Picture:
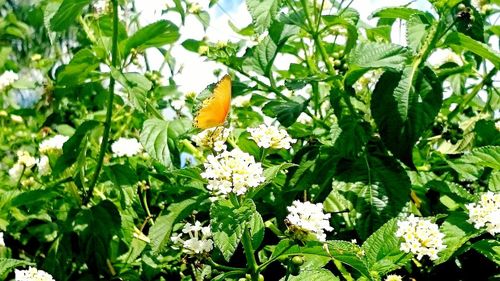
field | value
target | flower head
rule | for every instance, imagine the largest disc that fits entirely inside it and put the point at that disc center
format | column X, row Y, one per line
column 309, row 217
column 195, row 239
column 32, row 274
column 7, row 78
column 486, row 212
column 232, row 171
column 54, row 143
column 212, row 138
column 271, row 137
column 393, row 277
column 126, row 147
column 421, row 237
column 43, row 165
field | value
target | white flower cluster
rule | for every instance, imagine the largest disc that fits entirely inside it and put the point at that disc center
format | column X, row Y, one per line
column 486, row 212
column 32, row 274
column 212, row 138
column 421, row 237
column 442, row 56
column 7, row 78
column 199, row 241
column 232, row 171
column 2, row 242
column 24, row 161
column 126, row 147
column 393, row 277
column 53, row 144
column 43, row 165
column 271, row 137
column 310, row 217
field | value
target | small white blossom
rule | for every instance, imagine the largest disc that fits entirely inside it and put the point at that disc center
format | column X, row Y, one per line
column 241, row 101
column 393, row 277
column 2, row 242
column 442, row 56
column 54, row 143
column 232, row 171
column 310, row 217
column 212, row 138
column 16, row 171
column 24, row 158
column 7, row 78
column 43, row 165
column 486, row 212
column 16, row 118
column 421, row 237
column 197, row 240
column 32, row 274
column 271, row 137
column 126, row 147
column 101, row 6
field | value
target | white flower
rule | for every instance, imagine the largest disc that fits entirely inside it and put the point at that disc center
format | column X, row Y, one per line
column 271, row 137
column 241, row 101
column 2, row 242
column 43, row 165
column 421, row 237
column 199, row 241
column 310, row 217
column 442, row 56
column 393, row 277
column 24, row 158
column 7, row 78
column 32, row 274
column 126, row 147
column 54, row 143
column 101, row 6
column 178, row 104
column 232, row 171
column 16, row 118
column 212, row 138
column 16, row 171
column 486, row 212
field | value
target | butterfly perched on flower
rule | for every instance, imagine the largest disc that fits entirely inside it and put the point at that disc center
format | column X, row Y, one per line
column 215, row 108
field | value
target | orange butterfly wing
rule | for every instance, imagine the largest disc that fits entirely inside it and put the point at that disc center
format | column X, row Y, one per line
column 214, row 111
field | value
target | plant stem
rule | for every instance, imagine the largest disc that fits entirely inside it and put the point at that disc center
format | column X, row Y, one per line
column 109, row 111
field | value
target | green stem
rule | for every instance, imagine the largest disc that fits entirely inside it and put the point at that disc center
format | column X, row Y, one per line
column 224, row 267
column 342, row 270
column 109, row 111
column 20, row 177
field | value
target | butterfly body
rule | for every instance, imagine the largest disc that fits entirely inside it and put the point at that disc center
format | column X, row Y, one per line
column 214, row 109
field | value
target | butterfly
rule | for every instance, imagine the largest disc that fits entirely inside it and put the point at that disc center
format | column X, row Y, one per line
column 215, row 108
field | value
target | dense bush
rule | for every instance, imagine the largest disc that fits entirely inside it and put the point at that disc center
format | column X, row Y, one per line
column 361, row 159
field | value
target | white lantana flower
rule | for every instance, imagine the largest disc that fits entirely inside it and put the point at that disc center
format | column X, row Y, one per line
column 212, row 138
column 309, row 217
column 7, row 78
column 126, row 147
column 442, row 56
column 420, row 237
column 199, row 240
column 232, row 171
column 43, row 165
column 486, row 212
column 393, row 277
column 32, row 274
column 24, row 158
column 271, row 137
column 54, row 144
column 2, row 242
column 16, row 171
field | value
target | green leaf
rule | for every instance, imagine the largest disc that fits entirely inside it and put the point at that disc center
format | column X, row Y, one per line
column 486, row 156
column 416, row 31
column 271, row 172
column 286, row 112
column 403, row 106
column 371, row 55
column 228, row 223
column 48, row 13
column 461, row 40
column 395, row 13
column 348, row 19
column 382, row 249
column 153, row 35
column 6, row 265
column 457, row 231
column 121, row 174
column 158, row 137
column 79, row 68
column 313, row 275
column 67, row 13
column 489, row 248
column 136, row 85
column 262, row 58
column 160, row 232
column 381, row 191
column 71, row 147
column 257, row 228
column 262, row 12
